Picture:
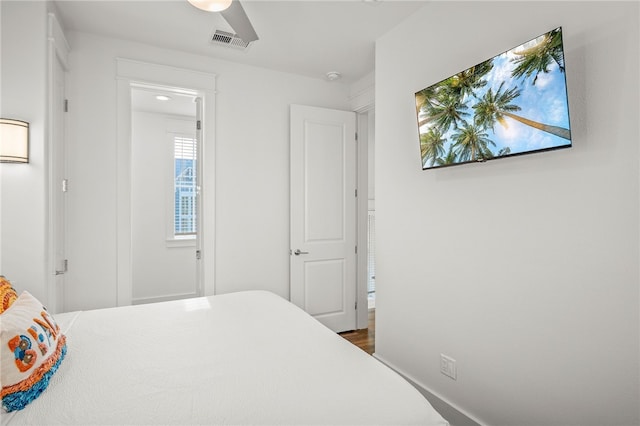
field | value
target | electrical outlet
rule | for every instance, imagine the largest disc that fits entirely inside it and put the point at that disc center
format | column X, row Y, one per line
column 448, row 366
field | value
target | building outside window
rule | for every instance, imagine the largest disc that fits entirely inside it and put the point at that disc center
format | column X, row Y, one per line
column 185, row 186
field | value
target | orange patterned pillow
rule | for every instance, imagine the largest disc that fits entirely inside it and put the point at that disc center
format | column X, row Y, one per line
column 7, row 294
column 32, row 350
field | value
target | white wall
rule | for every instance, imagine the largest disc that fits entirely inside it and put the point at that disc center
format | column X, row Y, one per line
column 160, row 268
column 525, row 269
column 252, row 166
column 23, row 187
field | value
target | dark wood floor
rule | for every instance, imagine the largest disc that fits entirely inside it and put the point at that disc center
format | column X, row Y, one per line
column 364, row 339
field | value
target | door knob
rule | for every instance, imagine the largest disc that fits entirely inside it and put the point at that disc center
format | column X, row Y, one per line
column 298, row 252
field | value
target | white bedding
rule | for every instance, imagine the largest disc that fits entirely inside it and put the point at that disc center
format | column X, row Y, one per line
column 241, row 358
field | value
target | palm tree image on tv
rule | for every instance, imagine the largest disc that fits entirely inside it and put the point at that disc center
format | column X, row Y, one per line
column 511, row 104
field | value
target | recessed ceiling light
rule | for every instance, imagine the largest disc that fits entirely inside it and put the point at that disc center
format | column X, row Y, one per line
column 163, row 98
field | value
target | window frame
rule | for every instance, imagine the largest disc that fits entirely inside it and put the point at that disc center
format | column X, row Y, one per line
column 177, row 129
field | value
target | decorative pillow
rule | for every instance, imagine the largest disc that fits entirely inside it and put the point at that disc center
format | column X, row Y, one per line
column 31, row 352
column 7, row 294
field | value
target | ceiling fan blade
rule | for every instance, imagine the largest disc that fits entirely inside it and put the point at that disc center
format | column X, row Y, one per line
column 239, row 21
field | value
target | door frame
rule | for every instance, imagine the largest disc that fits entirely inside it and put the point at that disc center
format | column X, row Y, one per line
column 191, row 129
column 130, row 72
column 57, row 52
column 363, row 118
column 363, row 104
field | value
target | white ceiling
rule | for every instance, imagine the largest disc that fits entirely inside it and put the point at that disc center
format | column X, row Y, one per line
column 144, row 99
column 306, row 37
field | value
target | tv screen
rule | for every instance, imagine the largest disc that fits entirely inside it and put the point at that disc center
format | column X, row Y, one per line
column 514, row 103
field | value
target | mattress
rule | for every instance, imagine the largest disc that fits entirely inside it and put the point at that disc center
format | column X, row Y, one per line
column 246, row 358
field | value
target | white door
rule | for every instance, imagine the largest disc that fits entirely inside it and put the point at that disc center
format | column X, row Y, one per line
column 58, row 187
column 323, row 214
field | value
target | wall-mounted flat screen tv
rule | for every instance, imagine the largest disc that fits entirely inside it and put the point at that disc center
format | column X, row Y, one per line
column 514, row 103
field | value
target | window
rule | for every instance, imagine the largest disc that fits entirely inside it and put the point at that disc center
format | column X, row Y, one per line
column 184, row 186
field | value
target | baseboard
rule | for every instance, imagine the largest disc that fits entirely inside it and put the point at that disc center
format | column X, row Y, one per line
column 154, row 299
column 452, row 413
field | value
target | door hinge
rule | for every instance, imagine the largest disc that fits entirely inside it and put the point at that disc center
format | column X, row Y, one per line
column 198, row 254
column 66, row 105
column 356, row 191
column 198, row 125
column 356, row 249
column 65, row 267
column 356, row 305
column 65, row 185
column 356, row 136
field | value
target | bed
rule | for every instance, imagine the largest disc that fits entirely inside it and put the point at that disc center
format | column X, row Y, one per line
column 246, row 358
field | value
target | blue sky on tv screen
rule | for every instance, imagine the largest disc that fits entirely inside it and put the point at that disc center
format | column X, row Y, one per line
column 543, row 102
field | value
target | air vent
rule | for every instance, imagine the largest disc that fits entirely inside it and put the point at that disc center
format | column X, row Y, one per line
column 223, row 38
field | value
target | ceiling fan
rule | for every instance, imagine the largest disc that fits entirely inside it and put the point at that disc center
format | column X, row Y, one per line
column 233, row 12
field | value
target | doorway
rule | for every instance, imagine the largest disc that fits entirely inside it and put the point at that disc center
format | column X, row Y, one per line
column 200, row 85
column 165, row 165
column 323, row 229
column 364, row 336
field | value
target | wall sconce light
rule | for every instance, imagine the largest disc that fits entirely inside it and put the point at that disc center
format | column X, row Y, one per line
column 14, row 141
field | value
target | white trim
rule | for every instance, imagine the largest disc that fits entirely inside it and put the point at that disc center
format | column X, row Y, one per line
column 148, row 74
column 200, row 240
column 203, row 84
column 57, row 50
column 58, row 41
column 180, row 242
column 124, row 275
column 362, row 314
column 363, row 103
column 364, row 100
column 362, row 95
